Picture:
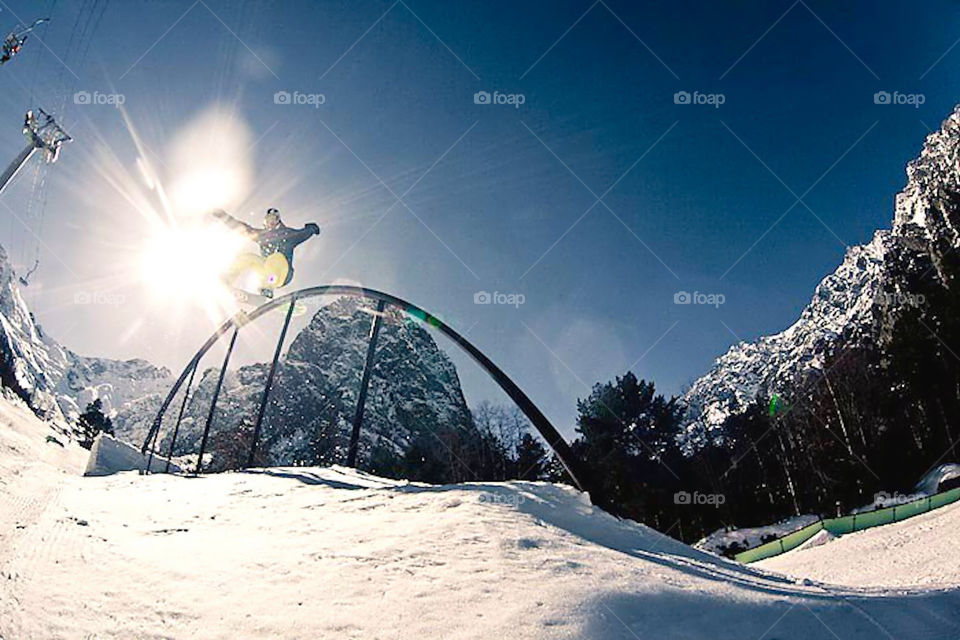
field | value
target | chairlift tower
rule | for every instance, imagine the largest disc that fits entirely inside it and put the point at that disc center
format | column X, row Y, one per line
column 43, row 134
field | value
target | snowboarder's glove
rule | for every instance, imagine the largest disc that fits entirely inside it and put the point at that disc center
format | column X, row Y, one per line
column 313, row 227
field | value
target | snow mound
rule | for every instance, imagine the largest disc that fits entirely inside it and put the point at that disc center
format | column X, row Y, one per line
column 109, row 455
column 303, row 552
column 938, row 476
column 819, row 538
column 307, row 552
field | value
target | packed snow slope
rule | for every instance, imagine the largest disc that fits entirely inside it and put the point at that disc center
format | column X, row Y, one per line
column 923, row 551
column 332, row 553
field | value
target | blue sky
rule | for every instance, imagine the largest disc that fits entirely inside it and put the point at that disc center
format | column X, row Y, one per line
column 597, row 199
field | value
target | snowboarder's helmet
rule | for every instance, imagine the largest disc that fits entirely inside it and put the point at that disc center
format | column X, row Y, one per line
column 272, row 218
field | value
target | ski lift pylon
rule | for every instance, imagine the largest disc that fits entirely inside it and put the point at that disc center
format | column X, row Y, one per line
column 42, row 133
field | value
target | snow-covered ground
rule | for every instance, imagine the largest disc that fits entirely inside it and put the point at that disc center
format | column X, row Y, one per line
column 923, row 551
column 330, row 553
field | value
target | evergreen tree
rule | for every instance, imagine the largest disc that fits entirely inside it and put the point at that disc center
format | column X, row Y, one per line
column 628, row 442
column 384, row 461
column 329, row 445
column 92, row 422
column 556, row 472
column 532, row 458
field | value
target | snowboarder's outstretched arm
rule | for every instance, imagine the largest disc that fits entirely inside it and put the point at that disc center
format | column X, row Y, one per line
column 288, row 237
column 233, row 223
column 302, row 235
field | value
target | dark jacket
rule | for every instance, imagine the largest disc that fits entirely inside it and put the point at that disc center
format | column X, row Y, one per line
column 282, row 239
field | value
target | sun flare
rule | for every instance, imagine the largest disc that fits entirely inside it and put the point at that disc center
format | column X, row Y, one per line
column 183, row 252
column 187, row 262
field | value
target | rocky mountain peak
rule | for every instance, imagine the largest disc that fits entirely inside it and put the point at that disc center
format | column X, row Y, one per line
column 934, row 173
column 856, row 303
column 414, row 393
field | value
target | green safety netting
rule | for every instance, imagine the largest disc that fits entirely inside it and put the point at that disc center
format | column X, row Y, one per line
column 945, row 498
column 781, row 545
column 839, row 526
column 848, row 524
column 911, row 509
column 871, row 519
column 797, row 538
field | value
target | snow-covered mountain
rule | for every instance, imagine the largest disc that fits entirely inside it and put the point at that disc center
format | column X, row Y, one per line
column 31, row 364
column 117, row 383
column 414, row 395
column 56, row 383
column 858, row 303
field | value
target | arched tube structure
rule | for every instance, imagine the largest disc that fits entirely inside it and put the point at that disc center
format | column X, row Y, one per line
column 530, row 410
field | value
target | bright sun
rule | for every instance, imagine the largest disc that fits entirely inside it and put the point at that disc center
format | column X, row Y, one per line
column 185, row 252
column 199, row 190
column 187, row 262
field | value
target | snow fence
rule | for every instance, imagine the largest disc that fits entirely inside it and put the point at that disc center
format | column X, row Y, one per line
column 849, row 524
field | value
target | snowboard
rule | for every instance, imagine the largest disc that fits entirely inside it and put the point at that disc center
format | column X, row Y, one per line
column 247, row 298
column 254, row 300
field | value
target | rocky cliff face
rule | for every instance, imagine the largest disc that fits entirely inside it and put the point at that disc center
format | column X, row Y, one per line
column 857, row 304
column 117, row 383
column 31, row 364
column 414, row 393
column 55, row 382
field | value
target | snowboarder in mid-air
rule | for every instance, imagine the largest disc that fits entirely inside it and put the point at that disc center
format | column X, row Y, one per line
column 273, row 268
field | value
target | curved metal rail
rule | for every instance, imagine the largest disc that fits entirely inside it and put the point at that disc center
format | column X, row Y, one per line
column 530, row 410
